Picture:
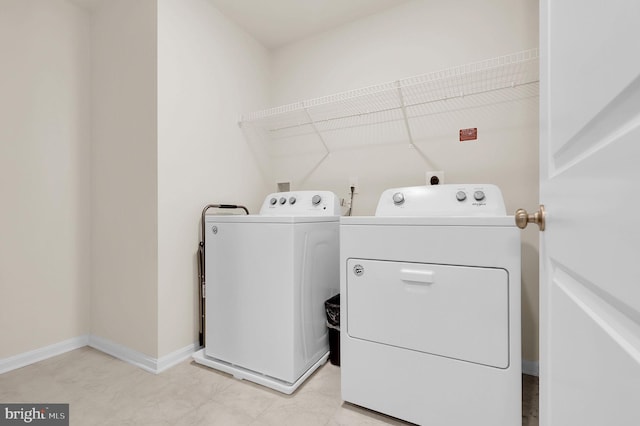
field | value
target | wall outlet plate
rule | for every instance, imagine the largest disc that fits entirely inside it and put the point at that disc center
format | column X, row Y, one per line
column 434, row 178
column 283, row 185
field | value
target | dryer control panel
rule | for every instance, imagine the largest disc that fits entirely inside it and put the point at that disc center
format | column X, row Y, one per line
column 442, row 201
column 301, row 203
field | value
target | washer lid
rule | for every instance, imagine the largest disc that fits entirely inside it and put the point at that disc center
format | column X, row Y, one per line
column 256, row 218
column 457, row 200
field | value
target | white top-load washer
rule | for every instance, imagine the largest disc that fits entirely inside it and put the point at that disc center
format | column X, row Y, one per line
column 267, row 277
column 430, row 307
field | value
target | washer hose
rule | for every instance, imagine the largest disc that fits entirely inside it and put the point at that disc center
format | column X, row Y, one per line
column 353, row 190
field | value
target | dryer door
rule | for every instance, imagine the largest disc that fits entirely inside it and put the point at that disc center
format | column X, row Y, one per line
column 457, row 312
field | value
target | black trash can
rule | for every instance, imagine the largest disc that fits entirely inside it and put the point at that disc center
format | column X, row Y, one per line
column 332, row 308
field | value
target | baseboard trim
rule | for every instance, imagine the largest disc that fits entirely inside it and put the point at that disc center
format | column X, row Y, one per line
column 124, row 353
column 176, row 357
column 40, row 354
column 146, row 362
column 531, row 368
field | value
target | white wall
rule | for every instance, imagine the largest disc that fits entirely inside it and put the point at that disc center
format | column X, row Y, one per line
column 44, row 174
column 124, row 206
column 208, row 72
column 415, row 38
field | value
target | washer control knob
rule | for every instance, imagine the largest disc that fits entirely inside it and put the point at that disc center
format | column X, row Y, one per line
column 398, row 198
column 292, row 200
column 478, row 195
column 461, row 196
column 283, row 200
column 316, row 200
column 273, row 201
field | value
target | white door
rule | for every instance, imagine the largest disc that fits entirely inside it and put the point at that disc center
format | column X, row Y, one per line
column 590, row 186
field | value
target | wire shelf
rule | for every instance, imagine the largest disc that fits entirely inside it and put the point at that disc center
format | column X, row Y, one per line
column 392, row 108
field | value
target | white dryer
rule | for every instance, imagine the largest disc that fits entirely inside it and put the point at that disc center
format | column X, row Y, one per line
column 267, row 277
column 430, row 307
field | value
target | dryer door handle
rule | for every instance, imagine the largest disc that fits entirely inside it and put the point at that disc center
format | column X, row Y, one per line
column 417, row 276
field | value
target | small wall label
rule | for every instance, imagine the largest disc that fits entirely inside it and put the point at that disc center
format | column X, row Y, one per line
column 468, row 134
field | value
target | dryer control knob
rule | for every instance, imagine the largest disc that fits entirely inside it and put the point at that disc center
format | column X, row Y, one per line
column 461, row 196
column 316, row 200
column 283, row 200
column 478, row 195
column 292, row 200
column 398, row 198
column 273, row 201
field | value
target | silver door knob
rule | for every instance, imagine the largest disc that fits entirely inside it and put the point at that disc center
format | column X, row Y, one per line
column 523, row 218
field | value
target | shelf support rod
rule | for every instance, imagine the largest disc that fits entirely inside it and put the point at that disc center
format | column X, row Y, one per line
column 315, row 129
column 403, row 106
column 404, row 113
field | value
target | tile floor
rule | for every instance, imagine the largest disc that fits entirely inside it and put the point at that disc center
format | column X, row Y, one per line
column 102, row 390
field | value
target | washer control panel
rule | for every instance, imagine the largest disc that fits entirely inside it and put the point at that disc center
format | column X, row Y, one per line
column 442, row 200
column 301, row 203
